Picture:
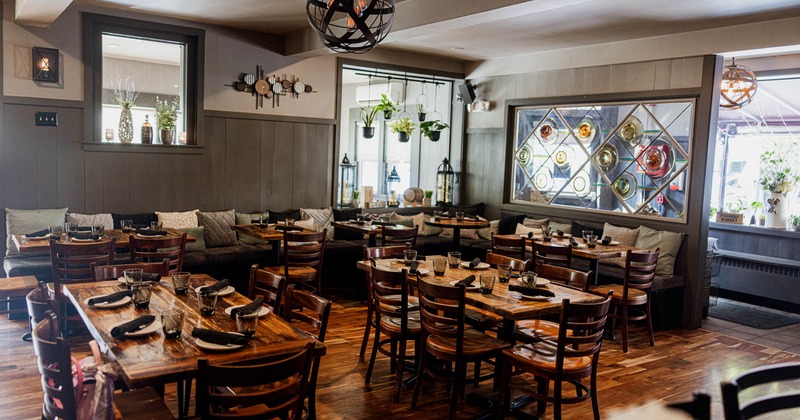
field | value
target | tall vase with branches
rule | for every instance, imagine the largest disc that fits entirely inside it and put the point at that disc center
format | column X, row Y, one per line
column 125, row 95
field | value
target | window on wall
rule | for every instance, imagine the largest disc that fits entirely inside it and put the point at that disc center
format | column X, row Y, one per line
column 771, row 123
column 136, row 66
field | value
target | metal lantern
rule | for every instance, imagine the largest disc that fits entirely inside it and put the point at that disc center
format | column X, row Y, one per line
column 347, row 183
column 739, row 86
column 445, row 178
column 392, row 180
column 354, row 26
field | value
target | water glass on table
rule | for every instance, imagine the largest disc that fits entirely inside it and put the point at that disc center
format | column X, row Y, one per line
column 206, row 302
column 591, row 241
column 503, row 272
column 180, row 282
column 454, row 259
column 530, row 278
column 439, row 266
column 288, row 221
column 409, row 256
column 246, row 323
column 487, row 283
column 55, row 231
column 126, row 225
column 71, row 227
column 141, row 295
column 585, row 235
column 459, row 215
column 98, row 231
column 172, row 323
column 133, row 277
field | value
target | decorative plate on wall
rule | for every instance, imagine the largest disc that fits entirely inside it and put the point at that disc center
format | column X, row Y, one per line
column 607, row 157
column 543, row 180
column 562, row 156
column 524, row 155
column 581, row 184
column 626, row 185
column 586, row 130
column 548, row 132
column 657, row 159
column 631, row 131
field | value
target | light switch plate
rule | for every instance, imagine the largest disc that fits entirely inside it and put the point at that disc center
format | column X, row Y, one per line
column 47, row 119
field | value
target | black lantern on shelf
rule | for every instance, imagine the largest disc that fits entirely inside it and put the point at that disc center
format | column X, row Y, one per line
column 445, row 178
column 392, row 180
column 347, row 183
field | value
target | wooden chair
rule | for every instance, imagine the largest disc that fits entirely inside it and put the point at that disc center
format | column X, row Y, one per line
column 113, row 272
column 55, row 366
column 768, row 399
column 394, row 320
column 509, row 245
column 552, row 254
column 156, row 249
column 446, row 339
column 391, row 235
column 572, row 358
column 312, row 311
column 38, row 301
column 532, row 330
column 269, row 285
column 376, row 253
column 515, row 264
column 634, row 294
column 302, row 259
column 273, row 387
column 71, row 263
column 699, row 407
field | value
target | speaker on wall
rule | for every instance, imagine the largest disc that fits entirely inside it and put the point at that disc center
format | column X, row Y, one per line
column 467, row 93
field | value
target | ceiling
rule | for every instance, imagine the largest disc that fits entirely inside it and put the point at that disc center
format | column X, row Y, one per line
column 478, row 30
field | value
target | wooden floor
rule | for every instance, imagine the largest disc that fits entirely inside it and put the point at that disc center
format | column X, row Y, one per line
column 681, row 362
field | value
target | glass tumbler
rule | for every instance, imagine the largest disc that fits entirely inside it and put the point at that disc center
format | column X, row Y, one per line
column 454, row 259
column 487, row 283
column 246, row 323
column 409, row 256
column 126, row 225
column 180, row 282
column 141, row 295
column 172, row 323
column 503, row 273
column 592, row 241
column 529, row 277
column 439, row 266
column 133, row 276
column 206, row 302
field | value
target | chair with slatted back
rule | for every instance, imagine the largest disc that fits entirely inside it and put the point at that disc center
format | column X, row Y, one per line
column 145, row 249
column 509, row 245
column 377, row 252
column 552, row 254
column 531, row 330
column 113, row 272
column 302, row 259
column 269, row 285
column 38, row 301
column 55, row 365
column 313, row 312
column 446, row 339
column 516, row 265
column 274, row 387
column 572, row 358
column 633, row 295
column 72, row 263
column 774, row 391
column 699, row 407
column 392, row 235
column 395, row 319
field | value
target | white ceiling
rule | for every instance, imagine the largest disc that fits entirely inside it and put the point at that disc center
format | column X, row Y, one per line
column 475, row 30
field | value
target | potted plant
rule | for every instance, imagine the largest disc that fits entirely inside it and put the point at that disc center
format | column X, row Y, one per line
column 404, row 127
column 387, row 106
column 368, row 118
column 125, row 94
column 756, row 206
column 777, row 176
column 166, row 117
column 795, row 219
column 427, row 200
column 355, row 198
column 421, row 114
column 432, row 129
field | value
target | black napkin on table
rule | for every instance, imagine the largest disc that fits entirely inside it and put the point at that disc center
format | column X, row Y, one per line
column 133, row 325
column 38, row 233
column 413, row 268
column 466, row 281
column 530, row 291
column 216, row 287
column 474, row 263
column 218, row 337
column 530, row 235
column 250, row 307
column 151, row 232
column 113, row 297
column 606, row 240
column 288, row 228
column 560, row 232
column 84, row 228
column 84, row 235
column 155, row 277
column 572, row 242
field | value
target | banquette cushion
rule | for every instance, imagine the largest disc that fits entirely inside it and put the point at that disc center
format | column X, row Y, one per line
column 323, row 218
column 139, row 220
column 179, row 219
column 217, row 227
column 669, row 242
column 624, row 235
column 101, row 219
column 276, row 216
column 21, row 222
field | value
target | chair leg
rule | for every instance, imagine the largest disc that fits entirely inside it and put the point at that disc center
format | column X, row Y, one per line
column 398, row 380
column 557, row 386
column 312, row 391
column 454, row 395
column 476, row 373
column 367, row 329
column 650, row 324
column 614, row 323
column 543, row 385
column 593, row 393
column 504, row 370
column 624, row 327
column 420, row 376
column 375, row 344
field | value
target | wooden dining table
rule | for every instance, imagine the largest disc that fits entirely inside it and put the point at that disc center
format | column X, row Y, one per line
column 27, row 246
column 370, row 230
column 457, row 225
column 267, row 233
column 153, row 360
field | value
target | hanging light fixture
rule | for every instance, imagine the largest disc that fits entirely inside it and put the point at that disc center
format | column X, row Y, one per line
column 739, row 86
column 354, row 26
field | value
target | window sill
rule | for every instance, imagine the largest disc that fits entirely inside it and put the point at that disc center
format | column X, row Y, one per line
column 754, row 230
column 143, row 148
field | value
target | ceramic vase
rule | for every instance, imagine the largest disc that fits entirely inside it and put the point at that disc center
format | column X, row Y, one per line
column 126, row 126
column 777, row 211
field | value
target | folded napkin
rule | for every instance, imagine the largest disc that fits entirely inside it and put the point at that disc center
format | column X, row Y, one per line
column 216, row 287
column 467, row 281
column 84, row 235
column 218, row 337
column 246, row 309
column 38, row 233
column 413, row 268
column 150, row 232
column 151, row 277
column 134, row 325
column 560, row 232
column 288, row 228
column 84, row 228
column 606, row 240
column 530, row 235
column 474, row 263
column 572, row 242
column 470, row 218
column 530, row 291
column 109, row 298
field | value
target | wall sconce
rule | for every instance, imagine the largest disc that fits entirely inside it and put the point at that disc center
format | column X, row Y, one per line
column 45, row 65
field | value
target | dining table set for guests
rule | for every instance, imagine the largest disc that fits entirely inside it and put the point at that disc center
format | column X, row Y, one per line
column 39, row 241
column 156, row 328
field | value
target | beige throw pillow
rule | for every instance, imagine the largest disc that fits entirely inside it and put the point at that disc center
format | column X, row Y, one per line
column 486, row 233
column 418, row 220
column 322, row 217
column 177, row 220
column 537, row 224
column 669, row 242
column 101, row 219
column 625, row 236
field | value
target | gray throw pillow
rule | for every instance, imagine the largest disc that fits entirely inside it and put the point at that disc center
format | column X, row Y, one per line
column 200, row 244
column 217, row 226
column 247, row 219
column 21, row 222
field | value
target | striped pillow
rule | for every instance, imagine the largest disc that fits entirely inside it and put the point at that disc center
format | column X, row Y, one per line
column 322, row 217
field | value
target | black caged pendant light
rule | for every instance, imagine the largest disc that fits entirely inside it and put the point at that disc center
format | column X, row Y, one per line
column 354, row 26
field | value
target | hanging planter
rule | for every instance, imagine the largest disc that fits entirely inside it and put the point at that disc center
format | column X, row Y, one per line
column 368, row 118
column 433, row 129
column 403, row 127
column 422, row 105
column 387, row 107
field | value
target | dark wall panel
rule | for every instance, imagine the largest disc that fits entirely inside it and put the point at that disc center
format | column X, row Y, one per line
column 483, row 176
column 212, row 179
column 242, row 162
column 71, row 166
column 277, row 171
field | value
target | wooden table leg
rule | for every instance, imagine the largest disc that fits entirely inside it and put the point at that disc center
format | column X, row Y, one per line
column 372, row 241
column 275, row 253
column 456, row 238
column 594, row 265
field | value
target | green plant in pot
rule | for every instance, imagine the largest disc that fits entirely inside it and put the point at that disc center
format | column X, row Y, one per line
column 427, row 200
column 795, row 220
column 368, row 118
column 421, row 112
column 756, row 206
column 404, row 127
column 387, row 106
column 432, row 129
column 166, row 118
column 355, row 198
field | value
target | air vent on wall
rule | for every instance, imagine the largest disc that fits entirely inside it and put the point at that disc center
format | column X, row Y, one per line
column 371, row 94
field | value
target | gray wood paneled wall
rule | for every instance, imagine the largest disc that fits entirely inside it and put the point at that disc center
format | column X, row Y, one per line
column 248, row 163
